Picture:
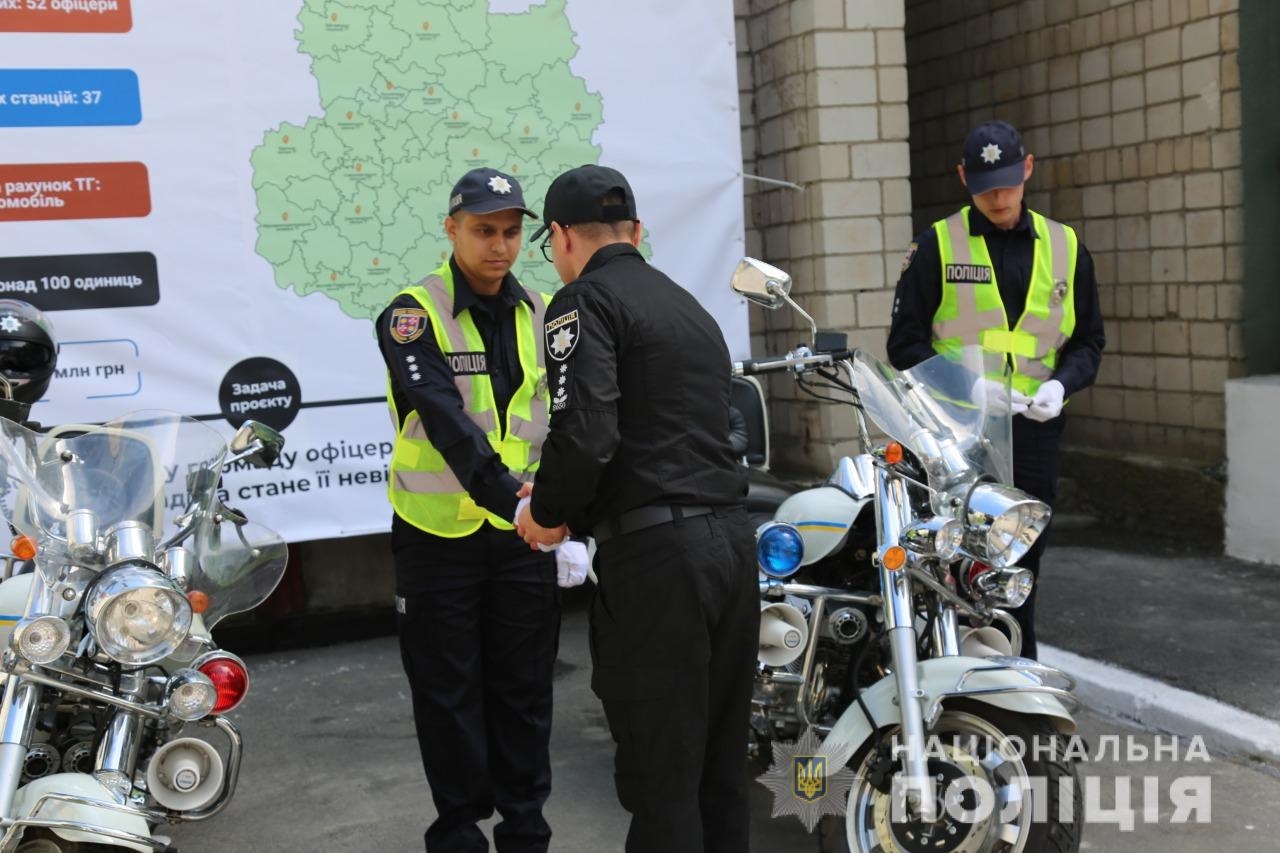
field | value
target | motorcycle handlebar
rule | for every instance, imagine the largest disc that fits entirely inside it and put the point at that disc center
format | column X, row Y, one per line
column 794, row 363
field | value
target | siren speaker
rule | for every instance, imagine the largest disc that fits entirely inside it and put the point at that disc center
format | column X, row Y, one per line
column 783, row 634
column 185, row 774
column 985, row 642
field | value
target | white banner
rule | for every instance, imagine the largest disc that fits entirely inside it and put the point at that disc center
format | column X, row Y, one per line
column 212, row 199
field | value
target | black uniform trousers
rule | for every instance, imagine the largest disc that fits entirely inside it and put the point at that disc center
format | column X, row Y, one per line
column 478, row 638
column 674, row 637
column 1037, row 448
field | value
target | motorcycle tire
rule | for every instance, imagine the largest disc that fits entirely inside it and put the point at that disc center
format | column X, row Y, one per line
column 1050, row 835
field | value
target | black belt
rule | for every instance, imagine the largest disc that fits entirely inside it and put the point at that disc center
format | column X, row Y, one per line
column 647, row 516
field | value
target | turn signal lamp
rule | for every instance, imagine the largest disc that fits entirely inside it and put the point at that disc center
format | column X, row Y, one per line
column 23, row 547
column 199, row 601
column 893, row 453
column 894, row 557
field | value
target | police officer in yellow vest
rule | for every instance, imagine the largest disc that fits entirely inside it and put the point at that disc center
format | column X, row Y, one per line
column 478, row 612
column 1016, row 282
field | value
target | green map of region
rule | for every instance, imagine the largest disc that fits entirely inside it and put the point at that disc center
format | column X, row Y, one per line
column 415, row 93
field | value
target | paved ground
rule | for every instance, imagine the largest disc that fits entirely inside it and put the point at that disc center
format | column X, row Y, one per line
column 332, row 764
column 1190, row 618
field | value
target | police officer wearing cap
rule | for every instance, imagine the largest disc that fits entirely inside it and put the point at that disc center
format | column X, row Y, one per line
column 478, row 611
column 999, row 275
column 639, row 454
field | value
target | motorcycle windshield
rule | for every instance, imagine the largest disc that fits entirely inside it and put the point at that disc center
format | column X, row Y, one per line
column 145, row 467
column 240, row 565
column 950, row 411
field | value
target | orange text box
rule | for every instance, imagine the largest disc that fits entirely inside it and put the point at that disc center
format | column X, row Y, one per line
column 73, row 191
column 65, row 16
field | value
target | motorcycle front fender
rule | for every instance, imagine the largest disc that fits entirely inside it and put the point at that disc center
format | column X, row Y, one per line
column 940, row 679
column 83, row 788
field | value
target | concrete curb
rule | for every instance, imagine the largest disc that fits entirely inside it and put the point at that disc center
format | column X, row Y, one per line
column 1132, row 697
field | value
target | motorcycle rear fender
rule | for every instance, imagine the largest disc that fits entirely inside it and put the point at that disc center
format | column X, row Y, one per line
column 939, row 678
column 86, row 787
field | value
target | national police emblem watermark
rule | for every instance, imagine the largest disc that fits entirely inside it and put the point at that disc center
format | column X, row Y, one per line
column 803, row 781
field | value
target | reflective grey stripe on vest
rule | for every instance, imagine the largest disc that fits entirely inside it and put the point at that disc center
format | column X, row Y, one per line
column 428, row 483
column 534, row 430
column 443, row 302
column 969, row 322
column 1048, row 330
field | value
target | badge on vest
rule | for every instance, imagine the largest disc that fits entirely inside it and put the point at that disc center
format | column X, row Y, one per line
column 1059, row 294
column 407, row 324
column 467, row 363
column 562, row 335
column 969, row 274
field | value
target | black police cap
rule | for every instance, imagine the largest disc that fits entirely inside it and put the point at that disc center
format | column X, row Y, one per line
column 487, row 191
column 578, row 196
column 992, row 158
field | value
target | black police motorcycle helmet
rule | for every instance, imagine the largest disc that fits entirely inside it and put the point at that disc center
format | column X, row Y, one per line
column 28, row 351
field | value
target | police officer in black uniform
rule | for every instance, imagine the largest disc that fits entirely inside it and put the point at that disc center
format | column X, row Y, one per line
column 994, row 168
column 478, row 611
column 639, row 454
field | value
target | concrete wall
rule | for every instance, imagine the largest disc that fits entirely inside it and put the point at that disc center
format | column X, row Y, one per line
column 1253, row 469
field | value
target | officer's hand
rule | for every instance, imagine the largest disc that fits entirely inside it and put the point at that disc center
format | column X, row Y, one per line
column 998, row 397
column 538, row 537
column 525, row 490
column 1047, row 404
column 571, row 563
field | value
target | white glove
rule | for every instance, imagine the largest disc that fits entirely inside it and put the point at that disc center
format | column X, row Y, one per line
column 571, row 563
column 515, row 522
column 1047, row 404
column 998, row 397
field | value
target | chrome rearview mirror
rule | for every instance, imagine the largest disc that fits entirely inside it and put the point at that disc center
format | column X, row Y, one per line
column 257, row 443
column 761, row 283
column 770, row 287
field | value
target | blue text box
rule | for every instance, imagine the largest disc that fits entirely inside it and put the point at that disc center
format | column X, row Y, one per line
column 70, row 97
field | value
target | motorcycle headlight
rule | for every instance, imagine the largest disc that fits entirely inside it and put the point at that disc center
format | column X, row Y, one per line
column 779, row 549
column 42, row 639
column 137, row 615
column 1007, row 587
column 937, row 537
column 190, row 695
column 1002, row 523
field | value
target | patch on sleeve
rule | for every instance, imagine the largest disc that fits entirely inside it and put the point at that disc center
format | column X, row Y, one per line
column 909, row 257
column 558, row 378
column 408, row 324
column 562, row 335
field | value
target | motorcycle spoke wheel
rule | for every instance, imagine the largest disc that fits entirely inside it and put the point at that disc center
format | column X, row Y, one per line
column 995, row 749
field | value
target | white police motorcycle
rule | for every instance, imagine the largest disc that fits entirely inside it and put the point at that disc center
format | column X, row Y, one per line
column 867, row 582
column 112, row 721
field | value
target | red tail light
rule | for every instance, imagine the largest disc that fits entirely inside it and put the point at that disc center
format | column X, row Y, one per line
column 229, row 677
column 976, row 570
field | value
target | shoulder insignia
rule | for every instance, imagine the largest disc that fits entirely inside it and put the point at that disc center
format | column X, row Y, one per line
column 408, row 324
column 562, row 335
column 909, row 257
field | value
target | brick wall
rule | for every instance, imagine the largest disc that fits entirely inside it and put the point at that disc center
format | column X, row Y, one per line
column 1132, row 109
column 824, row 105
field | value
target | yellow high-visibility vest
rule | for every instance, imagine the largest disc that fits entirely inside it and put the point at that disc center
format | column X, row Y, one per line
column 971, row 312
column 423, row 490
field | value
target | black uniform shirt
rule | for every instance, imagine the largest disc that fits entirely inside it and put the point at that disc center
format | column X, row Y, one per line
column 1012, row 251
column 435, row 398
column 639, row 378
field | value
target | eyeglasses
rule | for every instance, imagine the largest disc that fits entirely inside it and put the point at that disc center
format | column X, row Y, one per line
column 545, row 246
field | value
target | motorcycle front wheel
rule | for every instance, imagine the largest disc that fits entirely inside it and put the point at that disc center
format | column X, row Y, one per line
column 1011, row 802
